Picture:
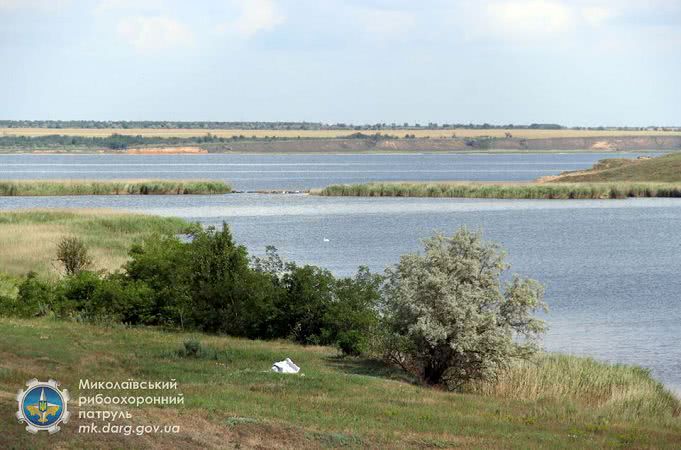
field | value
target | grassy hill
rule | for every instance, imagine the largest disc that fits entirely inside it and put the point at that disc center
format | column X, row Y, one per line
column 232, row 400
column 663, row 169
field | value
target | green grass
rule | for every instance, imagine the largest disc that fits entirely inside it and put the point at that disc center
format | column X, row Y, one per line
column 28, row 238
column 233, row 400
column 122, row 187
column 665, row 169
column 505, row 191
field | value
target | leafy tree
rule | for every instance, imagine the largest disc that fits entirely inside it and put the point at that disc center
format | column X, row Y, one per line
column 163, row 263
column 447, row 319
column 309, row 291
column 351, row 318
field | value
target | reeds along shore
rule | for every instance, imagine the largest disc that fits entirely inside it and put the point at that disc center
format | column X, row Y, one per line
column 136, row 187
column 506, row 191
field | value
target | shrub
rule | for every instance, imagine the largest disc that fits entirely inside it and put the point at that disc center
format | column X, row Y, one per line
column 352, row 343
column 73, row 254
column 309, row 291
column 192, row 348
column 446, row 317
column 227, row 296
column 35, row 297
column 352, row 316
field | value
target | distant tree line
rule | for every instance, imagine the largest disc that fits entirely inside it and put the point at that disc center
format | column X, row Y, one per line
column 213, row 125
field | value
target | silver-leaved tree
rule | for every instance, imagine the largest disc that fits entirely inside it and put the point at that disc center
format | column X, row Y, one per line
column 448, row 317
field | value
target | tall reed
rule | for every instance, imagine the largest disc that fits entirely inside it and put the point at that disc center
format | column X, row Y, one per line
column 506, row 191
column 114, row 187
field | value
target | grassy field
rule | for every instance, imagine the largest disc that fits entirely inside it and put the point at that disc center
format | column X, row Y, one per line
column 462, row 133
column 28, row 239
column 661, row 169
column 505, row 191
column 118, row 187
column 232, row 400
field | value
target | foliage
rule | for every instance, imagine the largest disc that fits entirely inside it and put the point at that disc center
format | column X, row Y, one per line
column 192, row 347
column 210, row 284
column 446, row 317
column 72, row 253
column 35, row 297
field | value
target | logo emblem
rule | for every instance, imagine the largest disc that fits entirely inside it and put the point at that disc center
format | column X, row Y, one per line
column 43, row 406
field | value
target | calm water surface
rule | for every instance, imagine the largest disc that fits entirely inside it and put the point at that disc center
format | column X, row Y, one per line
column 610, row 266
column 297, row 171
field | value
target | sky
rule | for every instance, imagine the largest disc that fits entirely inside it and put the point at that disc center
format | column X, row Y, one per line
column 577, row 63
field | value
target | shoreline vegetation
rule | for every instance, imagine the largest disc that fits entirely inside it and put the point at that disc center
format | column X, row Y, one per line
column 608, row 179
column 376, row 138
column 504, row 191
column 542, row 399
column 114, row 187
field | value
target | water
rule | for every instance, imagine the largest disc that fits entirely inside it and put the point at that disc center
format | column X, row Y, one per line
column 297, row 171
column 610, row 266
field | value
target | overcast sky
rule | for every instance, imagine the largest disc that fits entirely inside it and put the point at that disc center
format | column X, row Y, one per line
column 581, row 62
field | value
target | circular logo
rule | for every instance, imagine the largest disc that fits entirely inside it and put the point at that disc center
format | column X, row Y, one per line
column 42, row 406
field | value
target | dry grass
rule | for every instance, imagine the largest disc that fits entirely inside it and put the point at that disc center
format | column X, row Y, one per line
column 28, row 239
column 462, row 133
column 611, row 390
column 666, row 169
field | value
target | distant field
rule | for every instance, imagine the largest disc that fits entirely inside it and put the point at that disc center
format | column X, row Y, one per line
column 462, row 133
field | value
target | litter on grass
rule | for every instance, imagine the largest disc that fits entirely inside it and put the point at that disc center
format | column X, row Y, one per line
column 285, row 366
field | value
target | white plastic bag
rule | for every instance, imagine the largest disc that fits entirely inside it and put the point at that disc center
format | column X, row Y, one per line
column 285, row 366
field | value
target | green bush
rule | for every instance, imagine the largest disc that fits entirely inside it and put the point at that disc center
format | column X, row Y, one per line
column 210, row 284
column 192, row 347
column 36, row 297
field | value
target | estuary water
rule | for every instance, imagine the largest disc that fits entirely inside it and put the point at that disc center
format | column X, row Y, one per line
column 297, row 171
column 610, row 267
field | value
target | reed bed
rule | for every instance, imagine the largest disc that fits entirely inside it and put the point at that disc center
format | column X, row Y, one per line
column 506, row 191
column 117, row 187
column 613, row 390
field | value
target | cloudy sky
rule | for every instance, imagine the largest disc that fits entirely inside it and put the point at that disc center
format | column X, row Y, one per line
column 578, row 62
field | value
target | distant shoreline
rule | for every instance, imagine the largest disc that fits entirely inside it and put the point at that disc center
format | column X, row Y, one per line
column 358, row 143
